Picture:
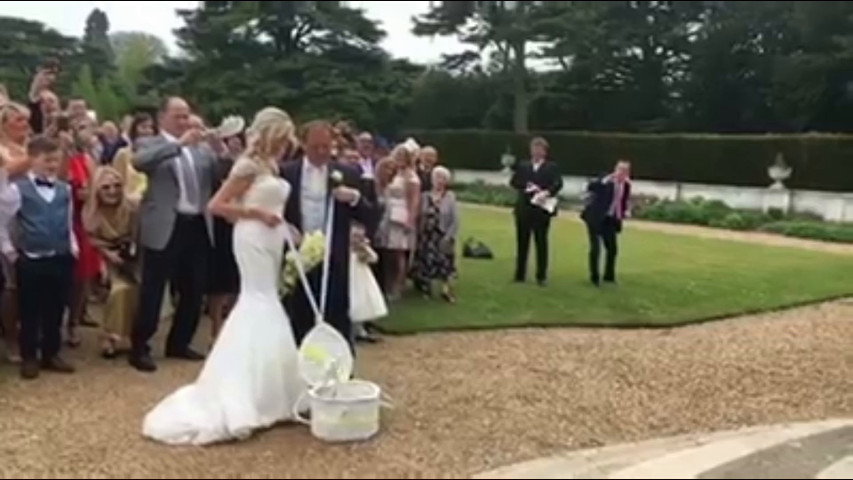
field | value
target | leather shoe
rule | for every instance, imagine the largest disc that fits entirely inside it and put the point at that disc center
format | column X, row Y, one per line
column 29, row 369
column 143, row 363
column 57, row 365
column 187, row 354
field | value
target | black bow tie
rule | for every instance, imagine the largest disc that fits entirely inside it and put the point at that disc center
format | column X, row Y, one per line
column 42, row 182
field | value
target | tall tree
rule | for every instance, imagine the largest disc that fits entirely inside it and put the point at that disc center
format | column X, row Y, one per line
column 134, row 53
column 813, row 84
column 314, row 58
column 732, row 60
column 97, row 50
column 509, row 28
column 102, row 95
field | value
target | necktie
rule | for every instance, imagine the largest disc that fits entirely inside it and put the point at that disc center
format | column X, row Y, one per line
column 617, row 207
column 190, row 180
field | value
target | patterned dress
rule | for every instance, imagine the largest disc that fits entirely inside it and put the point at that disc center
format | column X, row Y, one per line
column 433, row 260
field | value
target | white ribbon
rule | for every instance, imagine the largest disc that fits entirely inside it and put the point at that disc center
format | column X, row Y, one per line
column 320, row 310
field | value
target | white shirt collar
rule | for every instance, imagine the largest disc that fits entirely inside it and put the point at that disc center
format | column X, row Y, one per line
column 310, row 167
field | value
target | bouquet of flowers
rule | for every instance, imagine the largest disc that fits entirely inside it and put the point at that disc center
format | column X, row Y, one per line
column 311, row 252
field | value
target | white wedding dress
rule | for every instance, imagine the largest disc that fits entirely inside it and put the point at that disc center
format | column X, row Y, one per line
column 250, row 379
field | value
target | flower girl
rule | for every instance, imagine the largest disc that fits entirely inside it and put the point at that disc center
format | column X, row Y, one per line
column 366, row 300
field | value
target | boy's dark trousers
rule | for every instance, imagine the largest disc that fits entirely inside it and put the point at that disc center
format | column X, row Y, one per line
column 44, row 286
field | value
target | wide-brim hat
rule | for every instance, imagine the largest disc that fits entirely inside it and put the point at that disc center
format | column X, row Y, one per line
column 231, row 126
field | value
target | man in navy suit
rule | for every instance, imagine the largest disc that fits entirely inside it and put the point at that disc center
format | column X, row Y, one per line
column 606, row 208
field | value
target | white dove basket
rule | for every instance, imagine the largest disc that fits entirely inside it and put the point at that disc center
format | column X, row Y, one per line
column 342, row 410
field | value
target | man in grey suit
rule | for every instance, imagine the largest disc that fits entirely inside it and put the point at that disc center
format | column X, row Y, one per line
column 174, row 231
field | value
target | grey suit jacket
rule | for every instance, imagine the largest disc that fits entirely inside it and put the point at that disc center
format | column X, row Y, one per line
column 154, row 156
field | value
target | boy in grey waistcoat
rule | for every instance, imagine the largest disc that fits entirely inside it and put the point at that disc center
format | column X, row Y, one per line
column 43, row 254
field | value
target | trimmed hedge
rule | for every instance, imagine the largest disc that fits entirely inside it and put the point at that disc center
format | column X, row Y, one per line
column 829, row 232
column 820, row 162
column 699, row 211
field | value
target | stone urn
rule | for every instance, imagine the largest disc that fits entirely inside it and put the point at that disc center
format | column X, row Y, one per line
column 508, row 162
column 779, row 172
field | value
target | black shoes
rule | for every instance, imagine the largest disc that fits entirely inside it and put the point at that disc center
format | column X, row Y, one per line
column 597, row 282
column 142, row 362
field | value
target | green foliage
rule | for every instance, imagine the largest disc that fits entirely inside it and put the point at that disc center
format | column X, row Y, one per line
column 24, row 46
column 699, row 211
column 829, row 232
column 482, row 193
column 493, row 25
column 97, row 50
column 718, row 215
column 135, row 52
column 820, row 162
column 316, row 59
column 102, row 96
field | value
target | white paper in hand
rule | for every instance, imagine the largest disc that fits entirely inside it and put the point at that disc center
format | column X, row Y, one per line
column 544, row 201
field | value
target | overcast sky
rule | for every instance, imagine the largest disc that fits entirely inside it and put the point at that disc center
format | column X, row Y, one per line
column 159, row 19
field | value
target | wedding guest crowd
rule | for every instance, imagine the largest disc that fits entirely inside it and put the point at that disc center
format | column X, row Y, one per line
column 87, row 207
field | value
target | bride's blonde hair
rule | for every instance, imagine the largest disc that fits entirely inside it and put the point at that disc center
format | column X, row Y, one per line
column 268, row 132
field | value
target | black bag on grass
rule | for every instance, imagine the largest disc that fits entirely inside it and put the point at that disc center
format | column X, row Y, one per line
column 476, row 249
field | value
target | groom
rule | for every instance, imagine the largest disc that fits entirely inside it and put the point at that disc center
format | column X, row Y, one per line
column 313, row 183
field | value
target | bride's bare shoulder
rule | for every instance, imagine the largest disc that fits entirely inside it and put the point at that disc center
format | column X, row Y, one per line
column 247, row 166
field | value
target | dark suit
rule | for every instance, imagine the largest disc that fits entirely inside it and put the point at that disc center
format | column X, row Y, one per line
column 367, row 186
column 530, row 219
column 337, row 307
column 604, row 222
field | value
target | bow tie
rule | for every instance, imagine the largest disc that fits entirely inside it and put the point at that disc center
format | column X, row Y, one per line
column 43, row 182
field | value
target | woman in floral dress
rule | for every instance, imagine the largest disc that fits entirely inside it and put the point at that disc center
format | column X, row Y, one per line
column 435, row 258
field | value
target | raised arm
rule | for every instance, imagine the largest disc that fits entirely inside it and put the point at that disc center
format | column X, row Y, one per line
column 153, row 152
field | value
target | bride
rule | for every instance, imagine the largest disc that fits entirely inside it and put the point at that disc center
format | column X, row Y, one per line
column 250, row 380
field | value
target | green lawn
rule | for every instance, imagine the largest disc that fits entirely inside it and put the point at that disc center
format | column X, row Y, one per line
column 664, row 280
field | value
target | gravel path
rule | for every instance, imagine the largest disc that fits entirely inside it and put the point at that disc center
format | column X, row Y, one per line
column 465, row 402
column 707, row 232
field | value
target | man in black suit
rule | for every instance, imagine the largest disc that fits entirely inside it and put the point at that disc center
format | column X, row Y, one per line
column 317, row 180
column 365, row 161
column 536, row 180
column 606, row 207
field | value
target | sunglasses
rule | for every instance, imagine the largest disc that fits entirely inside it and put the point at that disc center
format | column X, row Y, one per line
column 111, row 186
